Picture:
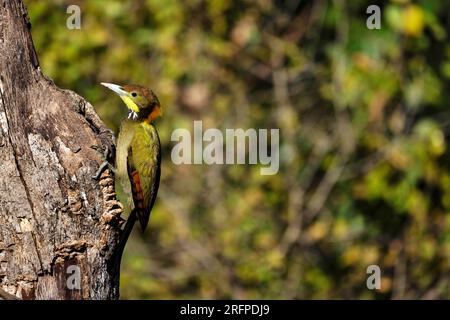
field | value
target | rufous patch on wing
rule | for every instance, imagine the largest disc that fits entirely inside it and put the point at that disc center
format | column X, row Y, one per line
column 138, row 194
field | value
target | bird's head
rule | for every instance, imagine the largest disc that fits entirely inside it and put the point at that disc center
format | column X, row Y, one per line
column 141, row 102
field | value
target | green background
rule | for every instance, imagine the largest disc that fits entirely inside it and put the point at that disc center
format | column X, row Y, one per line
column 364, row 122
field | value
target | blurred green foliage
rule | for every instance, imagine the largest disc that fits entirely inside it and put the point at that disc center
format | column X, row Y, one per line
column 364, row 175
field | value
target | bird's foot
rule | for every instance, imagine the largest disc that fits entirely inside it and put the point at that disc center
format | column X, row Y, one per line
column 105, row 164
column 111, row 133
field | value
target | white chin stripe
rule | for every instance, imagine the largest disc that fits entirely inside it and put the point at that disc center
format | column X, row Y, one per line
column 132, row 115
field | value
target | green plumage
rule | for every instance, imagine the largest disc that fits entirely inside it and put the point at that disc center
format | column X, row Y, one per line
column 138, row 154
column 139, row 150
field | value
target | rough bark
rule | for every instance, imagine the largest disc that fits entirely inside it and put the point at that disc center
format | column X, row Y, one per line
column 52, row 213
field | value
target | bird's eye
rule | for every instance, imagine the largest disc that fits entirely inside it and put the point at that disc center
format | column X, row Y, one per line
column 134, row 94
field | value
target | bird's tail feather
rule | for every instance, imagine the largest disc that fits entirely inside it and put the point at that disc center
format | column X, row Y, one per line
column 143, row 218
column 125, row 234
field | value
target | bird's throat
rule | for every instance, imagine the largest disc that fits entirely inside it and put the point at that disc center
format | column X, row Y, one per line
column 132, row 115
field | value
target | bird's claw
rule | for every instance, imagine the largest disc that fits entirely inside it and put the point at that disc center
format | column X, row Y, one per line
column 103, row 152
column 105, row 164
column 111, row 132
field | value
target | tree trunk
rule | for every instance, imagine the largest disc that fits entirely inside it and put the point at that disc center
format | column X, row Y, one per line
column 58, row 226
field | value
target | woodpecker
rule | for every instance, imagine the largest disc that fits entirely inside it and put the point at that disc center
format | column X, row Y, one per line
column 138, row 151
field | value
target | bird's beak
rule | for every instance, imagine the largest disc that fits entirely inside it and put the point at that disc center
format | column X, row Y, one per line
column 116, row 88
column 125, row 96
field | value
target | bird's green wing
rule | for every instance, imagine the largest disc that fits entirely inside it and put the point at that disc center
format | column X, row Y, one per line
column 144, row 170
